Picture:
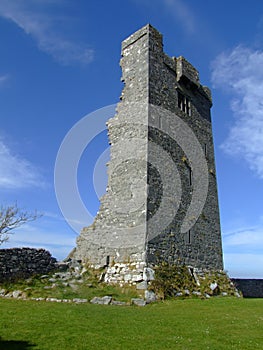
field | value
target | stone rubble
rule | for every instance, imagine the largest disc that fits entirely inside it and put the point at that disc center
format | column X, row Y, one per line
column 138, row 301
column 136, row 275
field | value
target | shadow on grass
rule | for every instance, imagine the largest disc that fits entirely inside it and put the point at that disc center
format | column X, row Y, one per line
column 15, row 345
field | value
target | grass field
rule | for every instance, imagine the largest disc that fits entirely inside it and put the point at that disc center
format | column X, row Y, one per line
column 217, row 323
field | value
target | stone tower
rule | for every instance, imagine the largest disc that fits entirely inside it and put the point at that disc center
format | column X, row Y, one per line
column 161, row 202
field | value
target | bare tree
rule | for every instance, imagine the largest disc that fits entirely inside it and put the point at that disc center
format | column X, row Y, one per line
column 12, row 217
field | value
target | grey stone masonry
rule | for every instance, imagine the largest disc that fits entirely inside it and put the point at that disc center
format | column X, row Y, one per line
column 16, row 263
column 161, row 202
column 250, row 288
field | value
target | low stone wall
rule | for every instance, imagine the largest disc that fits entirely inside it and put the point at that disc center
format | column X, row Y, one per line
column 24, row 262
column 250, row 288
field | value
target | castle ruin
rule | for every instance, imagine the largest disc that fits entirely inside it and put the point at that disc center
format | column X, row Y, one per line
column 161, row 202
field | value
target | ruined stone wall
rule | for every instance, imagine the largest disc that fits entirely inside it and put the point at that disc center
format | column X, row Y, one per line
column 118, row 232
column 193, row 236
column 161, row 201
column 250, row 288
column 24, row 262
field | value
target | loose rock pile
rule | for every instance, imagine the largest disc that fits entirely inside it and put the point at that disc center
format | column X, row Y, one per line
column 72, row 275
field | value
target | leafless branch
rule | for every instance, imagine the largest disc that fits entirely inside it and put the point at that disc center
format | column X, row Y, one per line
column 12, row 217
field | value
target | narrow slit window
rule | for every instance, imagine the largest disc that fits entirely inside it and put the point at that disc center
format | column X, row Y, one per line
column 180, row 101
column 184, row 104
column 205, row 149
column 190, row 176
column 189, row 237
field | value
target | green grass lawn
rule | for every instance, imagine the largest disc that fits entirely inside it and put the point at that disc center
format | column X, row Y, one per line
column 216, row 323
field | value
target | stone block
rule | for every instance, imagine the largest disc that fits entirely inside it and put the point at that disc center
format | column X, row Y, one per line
column 119, row 303
column 138, row 301
column 150, row 296
column 127, row 277
column 101, row 300
column 148, row 274
column 137, row 278
column 142, row 285
column 79, row 300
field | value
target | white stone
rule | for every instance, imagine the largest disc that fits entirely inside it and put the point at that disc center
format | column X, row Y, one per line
column 127, row 277
column 79, row 301
column 103, row 301
column 111, row 270
column 16, row 293
column 148, row 274
column 138, row 301
column 142, row 285
column 2, row 292
column 150, row 296
column 213, row 286
column 136, row 278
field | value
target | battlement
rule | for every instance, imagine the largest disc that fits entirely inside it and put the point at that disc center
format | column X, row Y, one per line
column 143, row 51
column 186, row 70
column 147, row 30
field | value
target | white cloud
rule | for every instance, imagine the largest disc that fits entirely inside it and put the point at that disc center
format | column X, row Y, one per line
column 249, row 238
column 33, row 17
column 182, row 13
column 43, row 234
column 243, row 252
column 3, row 79
column 240, row 72
column 178, row 9
column 17, row 172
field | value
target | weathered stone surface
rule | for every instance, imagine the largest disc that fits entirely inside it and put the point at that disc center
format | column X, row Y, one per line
column 119, row 303
column 79, row 300
column 52, row 280
column 142, row 285
column 138, row 301
column 250, row 287
column 150, row 296
column 101, row 300
column 52, row 299
column 137, row 278
column 196, row 293
column 24, row 262
column 213, row 286
column 2, row 292
column 148, row 274
column 160, row 94
column 127, row 277
column 17, row 293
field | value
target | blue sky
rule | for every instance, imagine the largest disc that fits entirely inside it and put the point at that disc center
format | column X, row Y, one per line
column 60, row 61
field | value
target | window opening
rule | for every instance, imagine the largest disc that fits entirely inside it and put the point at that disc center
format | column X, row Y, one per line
column 190, row 176
column 189, row 237
column 205, row 149
column 184, row 104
